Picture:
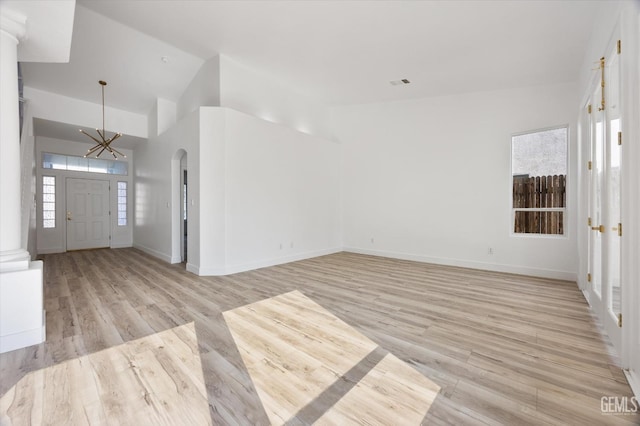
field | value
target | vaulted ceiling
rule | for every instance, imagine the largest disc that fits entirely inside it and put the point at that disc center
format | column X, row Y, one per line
column 340, row 52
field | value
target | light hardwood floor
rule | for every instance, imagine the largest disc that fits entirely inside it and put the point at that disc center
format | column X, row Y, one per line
column 296, row 353
column 502, row 349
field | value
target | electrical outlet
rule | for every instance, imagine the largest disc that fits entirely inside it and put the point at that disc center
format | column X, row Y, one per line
column 280, row 246
column 372, row 240
column 490, row 250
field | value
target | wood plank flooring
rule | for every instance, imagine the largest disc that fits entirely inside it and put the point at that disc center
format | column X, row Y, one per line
column 503, row 349
column 152, row 380
column 301, row 357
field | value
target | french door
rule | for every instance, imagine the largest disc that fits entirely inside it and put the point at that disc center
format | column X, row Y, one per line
column 604, row 224
column 87, row 214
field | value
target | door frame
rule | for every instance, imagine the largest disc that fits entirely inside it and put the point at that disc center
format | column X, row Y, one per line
column 600, row 302
column 184, row 213
column 626, row 29
column 177, row 224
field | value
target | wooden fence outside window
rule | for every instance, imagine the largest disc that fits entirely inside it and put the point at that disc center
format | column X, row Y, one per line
column 539, row 192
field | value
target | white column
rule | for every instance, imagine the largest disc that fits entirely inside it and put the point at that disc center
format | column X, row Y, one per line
column 12, row 255
column 22, row 318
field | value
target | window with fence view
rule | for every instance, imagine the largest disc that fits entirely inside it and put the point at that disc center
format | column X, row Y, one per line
column 539, row 170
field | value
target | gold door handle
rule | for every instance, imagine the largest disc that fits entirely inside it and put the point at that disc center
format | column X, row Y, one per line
column 598, row 228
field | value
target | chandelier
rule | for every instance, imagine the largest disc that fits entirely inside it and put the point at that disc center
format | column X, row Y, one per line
column 103, row 144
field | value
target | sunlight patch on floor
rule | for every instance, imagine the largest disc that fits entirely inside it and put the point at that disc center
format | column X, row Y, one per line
column 155, row 380
column 309, row 366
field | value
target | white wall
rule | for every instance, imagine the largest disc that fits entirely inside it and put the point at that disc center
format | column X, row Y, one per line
column 167, row 114
column 600, row 35
column 28, row 185
column 54, row 240
column 156, row 198
column 430, row 179
column 204, row 89
column 259, row 193
column 163, row 115
column 222, row 81
column 211, row 210
column 270, row 99
column 64, row 109
column 282, row 193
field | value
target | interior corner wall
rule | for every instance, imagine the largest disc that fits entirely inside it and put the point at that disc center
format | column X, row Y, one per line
column 28, row 185
column 263, row 96
column 282, row 194
column 153, row 186
column 152, row 121
column 204, row 89
column 167, row 114
column 162, row 116
column 430, row 179
column 211, row 207
column 259, row 193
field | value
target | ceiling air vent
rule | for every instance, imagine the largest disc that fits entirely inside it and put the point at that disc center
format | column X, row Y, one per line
column 399, row 82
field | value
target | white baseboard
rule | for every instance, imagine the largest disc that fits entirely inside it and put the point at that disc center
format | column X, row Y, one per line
column 51, row 250
column 194, row 269
column 125, row 245
column 154, row 253
column 634, row 382
column 234, row 269
column 494, row 267
column 62, row 250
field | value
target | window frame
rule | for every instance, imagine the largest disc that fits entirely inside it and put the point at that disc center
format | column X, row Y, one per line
column 564, row 210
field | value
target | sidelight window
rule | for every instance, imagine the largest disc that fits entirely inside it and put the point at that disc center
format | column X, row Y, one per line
column 122, row 203
column 48, row 201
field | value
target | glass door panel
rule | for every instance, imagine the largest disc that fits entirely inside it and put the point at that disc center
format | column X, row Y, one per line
column 613, row 217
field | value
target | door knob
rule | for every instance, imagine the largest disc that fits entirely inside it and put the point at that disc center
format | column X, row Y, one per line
column 68, row 215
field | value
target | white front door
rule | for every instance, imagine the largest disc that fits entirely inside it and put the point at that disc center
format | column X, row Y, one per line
column 87, row 214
